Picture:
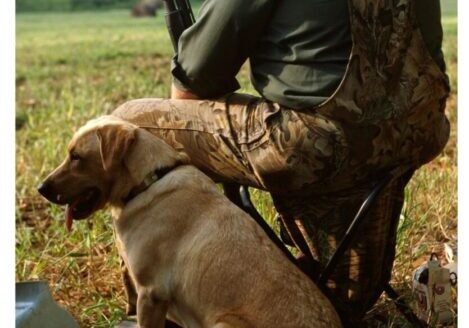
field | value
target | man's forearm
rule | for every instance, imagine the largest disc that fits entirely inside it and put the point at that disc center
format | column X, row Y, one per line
column 181, row 94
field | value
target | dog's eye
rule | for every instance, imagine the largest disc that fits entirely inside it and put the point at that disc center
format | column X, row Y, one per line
column 74, row 156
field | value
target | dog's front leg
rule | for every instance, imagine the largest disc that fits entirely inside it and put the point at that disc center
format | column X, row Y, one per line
column 129, row 289
column 129, row 286
column 151, row 312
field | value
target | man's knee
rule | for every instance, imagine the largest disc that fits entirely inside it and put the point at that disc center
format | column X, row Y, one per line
column 136, row 105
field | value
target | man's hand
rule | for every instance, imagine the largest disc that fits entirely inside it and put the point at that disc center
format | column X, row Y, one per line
column 181, row 94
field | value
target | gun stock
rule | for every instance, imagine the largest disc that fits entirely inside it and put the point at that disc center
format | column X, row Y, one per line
column 179, row 16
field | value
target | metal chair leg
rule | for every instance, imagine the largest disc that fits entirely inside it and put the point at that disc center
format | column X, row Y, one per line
column 352, row 230
column 404, row 308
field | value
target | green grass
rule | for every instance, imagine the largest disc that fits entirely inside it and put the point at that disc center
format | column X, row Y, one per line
column 75, row 66
column 449, row 8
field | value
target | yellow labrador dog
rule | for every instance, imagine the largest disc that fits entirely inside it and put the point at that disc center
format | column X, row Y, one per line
column 192, row 255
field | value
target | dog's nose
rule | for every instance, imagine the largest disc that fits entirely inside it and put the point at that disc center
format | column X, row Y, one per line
column 45, row 190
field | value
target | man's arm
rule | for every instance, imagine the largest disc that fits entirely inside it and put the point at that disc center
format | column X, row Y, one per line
column 212, row 50
column 181, row 94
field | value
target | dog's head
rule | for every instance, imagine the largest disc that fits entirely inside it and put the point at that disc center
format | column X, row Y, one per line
column 106, row 159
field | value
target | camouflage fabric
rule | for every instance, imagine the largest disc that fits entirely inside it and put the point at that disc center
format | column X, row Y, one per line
column 318, row 164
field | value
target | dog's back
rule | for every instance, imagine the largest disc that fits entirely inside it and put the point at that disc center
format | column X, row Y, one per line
column 214, row 263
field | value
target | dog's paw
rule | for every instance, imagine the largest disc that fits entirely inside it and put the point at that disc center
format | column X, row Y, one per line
column 130, row 309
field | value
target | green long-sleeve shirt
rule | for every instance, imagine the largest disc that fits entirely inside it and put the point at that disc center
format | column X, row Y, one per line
column 298, row 49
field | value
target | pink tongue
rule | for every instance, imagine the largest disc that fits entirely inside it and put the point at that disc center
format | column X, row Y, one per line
column 69, row 215
column 68, row 218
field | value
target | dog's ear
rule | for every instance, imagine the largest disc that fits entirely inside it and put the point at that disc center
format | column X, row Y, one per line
column 149, row 153
column 115, row 141
column 183, row 158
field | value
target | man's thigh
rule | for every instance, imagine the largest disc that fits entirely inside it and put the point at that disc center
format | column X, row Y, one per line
column 242, row 139
column 202, row 129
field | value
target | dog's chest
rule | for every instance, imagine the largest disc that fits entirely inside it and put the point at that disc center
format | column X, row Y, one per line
column 147, row 263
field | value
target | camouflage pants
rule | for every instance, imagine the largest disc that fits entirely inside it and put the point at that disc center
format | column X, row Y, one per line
column 306, row 162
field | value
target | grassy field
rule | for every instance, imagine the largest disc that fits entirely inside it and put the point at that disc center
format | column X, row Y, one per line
column 74, row 67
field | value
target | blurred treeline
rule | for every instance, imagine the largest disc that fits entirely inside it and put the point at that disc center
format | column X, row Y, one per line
column 72, row 5
column 78, row 5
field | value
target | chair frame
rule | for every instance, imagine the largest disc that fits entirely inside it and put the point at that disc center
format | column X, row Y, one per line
column 240, row 196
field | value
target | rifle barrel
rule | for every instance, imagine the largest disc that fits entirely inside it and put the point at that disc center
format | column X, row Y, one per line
column 169, row 5
column 186, row 12
column 179, row 16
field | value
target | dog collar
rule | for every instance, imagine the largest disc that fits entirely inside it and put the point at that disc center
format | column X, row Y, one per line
column 149, row 179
